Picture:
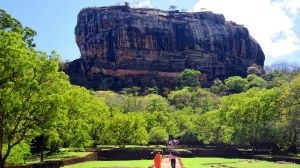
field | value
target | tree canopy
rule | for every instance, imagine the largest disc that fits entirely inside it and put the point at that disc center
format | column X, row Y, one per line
column 190, row 78
column 31, row 88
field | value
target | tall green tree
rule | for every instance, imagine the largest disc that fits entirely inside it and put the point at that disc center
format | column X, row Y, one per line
column 243, row 116
column 85, row 113
column 291, row 113
column 30, row 91
column 127, row 129
column 209, row 128
column 199, row 99
column 158, row 134
column 155, row 102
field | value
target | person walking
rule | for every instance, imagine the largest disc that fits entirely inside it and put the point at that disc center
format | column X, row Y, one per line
column 172, row 159
column 157, row 160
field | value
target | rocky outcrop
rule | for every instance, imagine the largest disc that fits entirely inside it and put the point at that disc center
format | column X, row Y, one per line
column 150, row 47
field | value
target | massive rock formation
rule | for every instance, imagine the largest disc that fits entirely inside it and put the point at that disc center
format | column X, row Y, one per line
column 150, row 47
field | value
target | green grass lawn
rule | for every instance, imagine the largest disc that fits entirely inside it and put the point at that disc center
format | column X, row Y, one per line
column 100, row 164
column 190, row 163
column 64, row 154
column 232, row 163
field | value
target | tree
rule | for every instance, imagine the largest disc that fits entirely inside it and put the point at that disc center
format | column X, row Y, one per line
column 209, row 128
column 218, row 87
column 180, row 98
column 10, row 24
column 190, row 78
column 199, row 100
column 85, row 113
column 291, row 113
column 106, row 84
column 30, row 91
column 244, row 116
column 172, row 7
column 126, row 4
column 287, row 70
column 236, row 84
column 163, row 119
column 204, row 100
column 186, row 121
column 274, row 78
column 158, row 134
column 155, row 102
column 127, row 129
column 255, row 69
column 183, row 10
column 256, row 81
column 19, row 153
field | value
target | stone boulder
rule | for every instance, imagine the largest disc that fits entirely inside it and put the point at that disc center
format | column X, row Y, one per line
column 124, row 47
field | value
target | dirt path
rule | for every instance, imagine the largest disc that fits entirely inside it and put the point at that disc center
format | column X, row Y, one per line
column 167, row 164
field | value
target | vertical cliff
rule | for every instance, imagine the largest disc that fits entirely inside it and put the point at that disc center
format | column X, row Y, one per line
column 150, row 47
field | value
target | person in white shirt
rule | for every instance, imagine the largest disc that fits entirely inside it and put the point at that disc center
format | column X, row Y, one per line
column 172, row 143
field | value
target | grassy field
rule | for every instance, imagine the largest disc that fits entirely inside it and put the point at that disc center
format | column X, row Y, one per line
column 100, row 164
column 232, row 163
column 63, row 154
column 190, row 163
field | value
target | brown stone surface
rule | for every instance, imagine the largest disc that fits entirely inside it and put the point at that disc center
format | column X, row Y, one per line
column 150, row 47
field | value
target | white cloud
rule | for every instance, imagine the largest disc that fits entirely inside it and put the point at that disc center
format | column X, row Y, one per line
column 292, row 7
column 141, row 4
column 270, row 22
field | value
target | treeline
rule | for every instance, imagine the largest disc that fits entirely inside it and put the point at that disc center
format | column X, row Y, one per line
column 39, row 108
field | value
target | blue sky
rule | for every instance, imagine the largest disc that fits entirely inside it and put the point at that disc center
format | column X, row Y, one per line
column 275, row 24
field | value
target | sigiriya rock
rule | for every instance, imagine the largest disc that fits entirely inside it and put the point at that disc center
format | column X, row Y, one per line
column 124, row 47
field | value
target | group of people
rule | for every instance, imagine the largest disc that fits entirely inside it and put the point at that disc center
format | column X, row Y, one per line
column 171, row 150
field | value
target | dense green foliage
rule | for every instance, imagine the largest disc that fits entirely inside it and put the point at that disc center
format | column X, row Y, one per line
column 30, row 92
column 19, row 153
column 10, row 24
column 189, row 77
column 39, row 105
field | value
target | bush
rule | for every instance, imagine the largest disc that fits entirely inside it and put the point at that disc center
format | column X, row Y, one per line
column 19, row 153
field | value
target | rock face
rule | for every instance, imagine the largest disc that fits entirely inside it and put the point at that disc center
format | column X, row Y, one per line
column 124, row 47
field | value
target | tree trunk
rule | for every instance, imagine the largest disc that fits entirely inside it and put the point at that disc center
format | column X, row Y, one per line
column 1, row 163
column 42, row 153
column 1, row 157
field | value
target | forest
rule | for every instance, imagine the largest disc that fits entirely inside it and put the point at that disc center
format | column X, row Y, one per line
column 38, row 105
